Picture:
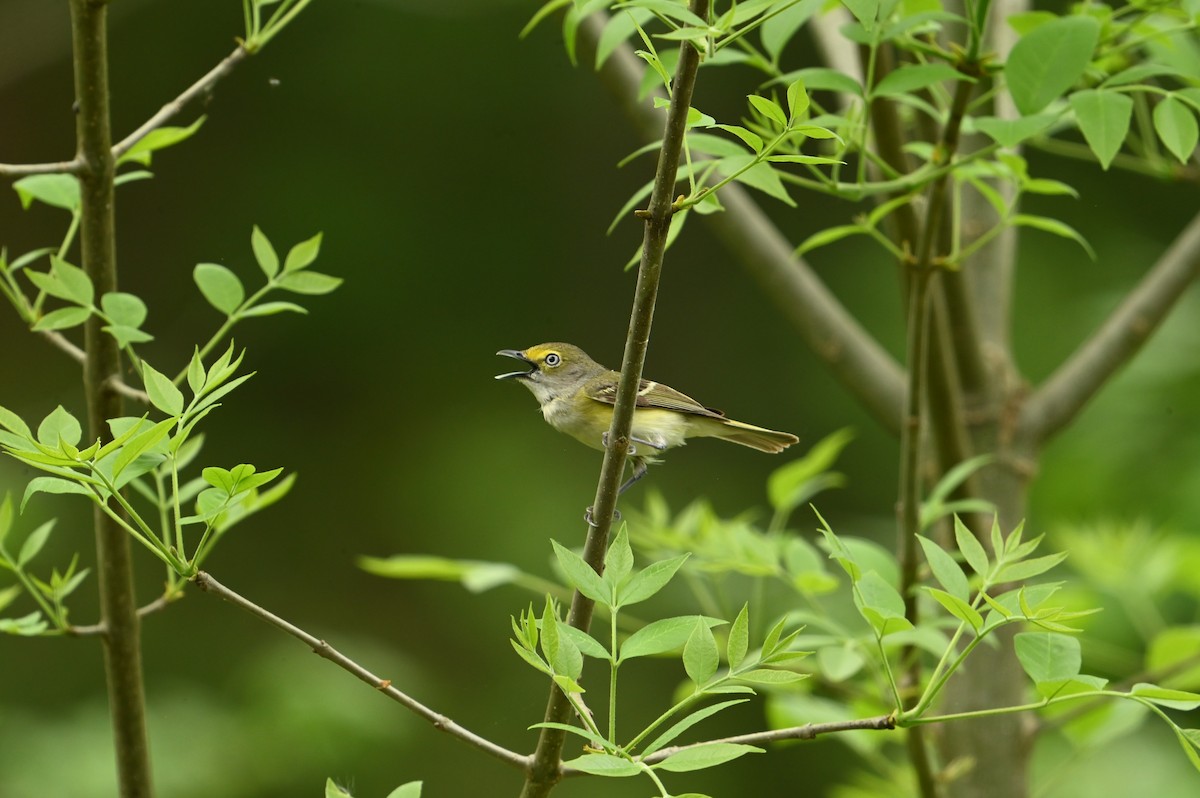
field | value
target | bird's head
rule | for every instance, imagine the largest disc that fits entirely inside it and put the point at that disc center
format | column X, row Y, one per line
column 554, row 369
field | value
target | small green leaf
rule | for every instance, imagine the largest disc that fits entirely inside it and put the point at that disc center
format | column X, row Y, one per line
column 74, row 280
column 650, row 580
column 797, row 99
column 769, row 676
column 1058, row 228
column 57, row 190
column 751, row 139
column 769, row 109
column 1165, row 697
column 958, row 608
column 127, row 335
column 6, row 515
column 123, row 309
column 163, row 393
column 829, row 235
column 1048, row 60
column 302, row 255
column 690, row 721
column 264, row 253
column 195, row 373
column 142, row 443
column 53, row 485
column 705, row 756
column 34, row 543
column 971, row 548
column 618, row 560
column 604, row 765
column 700, row 655
column 62, row 319
column 945, row 569
column 661, row 636
column 1048, row 657
column 59, row 425
column 312, row 283
column 334, row 790
column 739, row 638
column 910, row 78
column 159, row 139
column 1176, row 126
column 582, row 576
column 1011, row 132
column 271, row 308
column 14, row 424
column 410, row 790
column 1027, row 569
column 220, row 286
column 1103, row 118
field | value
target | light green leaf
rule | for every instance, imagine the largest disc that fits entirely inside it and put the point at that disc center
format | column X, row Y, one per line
column 700, row 655
column 53, row 485
column 1103, row 118
column 1048, row 656
column 62, row 319
column 1172, row 699
column 163, row 393
column 688, row 722
column 769, row 676
column 127, row 335
column 958, row 608
column 705, row 756
column 797, row 99
column 1058, row 228
column 158, row 139
column 618, row 560
column 302, row 255
column 972, row 550
column 1011, row 132
column 59, row 425
column 271, row 308
column 220, row 286
column 1176, row 126
column 313, row 283
column 195, row 372
column 333, row 790
column 57, row 190
column 739, row 638
column 604, row 765
column 648, row 581
column 1027, row 569
column 751, row 139
column 781, row 28
column 945, row 569
column 34, row 543
column 410, row 790
column 769, row 109
column 142, row 443
column 6, row 515
column 828, row 236
column 74, row 280
column 264, row 253
column 582, row 576
column 123, row 309
column 661, row 636
column 13, row 423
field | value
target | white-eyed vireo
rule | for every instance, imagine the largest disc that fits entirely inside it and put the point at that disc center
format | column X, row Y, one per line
column 577, row 396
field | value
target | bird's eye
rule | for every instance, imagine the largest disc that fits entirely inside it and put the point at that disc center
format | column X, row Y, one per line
column 553, row 359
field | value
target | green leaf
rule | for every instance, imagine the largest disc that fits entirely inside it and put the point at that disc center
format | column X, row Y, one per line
column 127, row 335
column 141, row 443
column 809, row 159
column 62, row 319
column 264, row 253
column 705, row 756
column 77, row 286
column 739, row 638
column 910, row 78
column 797, row 99
column 661, row 636
column 582, row 576
column 123, row 309
column 688, row 722
column 945, row 569
column 880, row 604
column 302, row 255
column 828, row 236
column 770, row 676
column 271, row 308
column 57, row 190
column 1048, row 656
column 1176, row 126
column 700, row 655
column 648, row 581
column 59, row 425
column 34, row 543
column 220, row 286
column 838, row 663
column 794, row 483
column 972, row 550
column 823, row 78
column 163, row 393
column 584, row 642
column 751, row 139
column 1061, row 229
column 1190, row 740
column 604, row 765
column 6, row 515
column 1027, row 569
column 313, row 283
column 410, row 790
column 1165, row 697
column 195, row 373
column 1048, row 60
column 1011, row 132
column 865, row 11
column 618, row 560
column 769, row 109
column 333, row 790
column 53, row 485
column 13, row 423
column 781, row 28
column 9, row 594
column 158, row 139
column 1103, row 118
column 958, row 608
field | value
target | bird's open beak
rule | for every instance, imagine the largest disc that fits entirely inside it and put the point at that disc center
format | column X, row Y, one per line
column 516, row 354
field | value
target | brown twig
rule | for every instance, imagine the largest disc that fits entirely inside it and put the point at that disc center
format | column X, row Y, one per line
column 204, row 581
column 159, row 604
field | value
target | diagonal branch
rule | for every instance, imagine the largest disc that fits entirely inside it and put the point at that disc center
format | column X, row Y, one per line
column 201, row 87
column 1063, row 395
column 205, row 582
column 855, row 358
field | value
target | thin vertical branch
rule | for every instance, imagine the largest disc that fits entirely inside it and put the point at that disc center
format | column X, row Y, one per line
column 114, row 567
column 546, row 766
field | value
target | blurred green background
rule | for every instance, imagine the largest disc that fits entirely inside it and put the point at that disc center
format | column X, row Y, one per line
column 463, row 181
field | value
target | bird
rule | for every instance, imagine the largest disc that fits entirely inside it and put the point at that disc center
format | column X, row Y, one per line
column 577, row 396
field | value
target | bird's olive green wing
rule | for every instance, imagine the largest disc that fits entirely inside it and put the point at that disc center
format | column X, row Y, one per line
column 650, row 394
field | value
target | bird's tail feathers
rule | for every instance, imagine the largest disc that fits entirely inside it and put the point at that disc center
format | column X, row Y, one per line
column 765, row 440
